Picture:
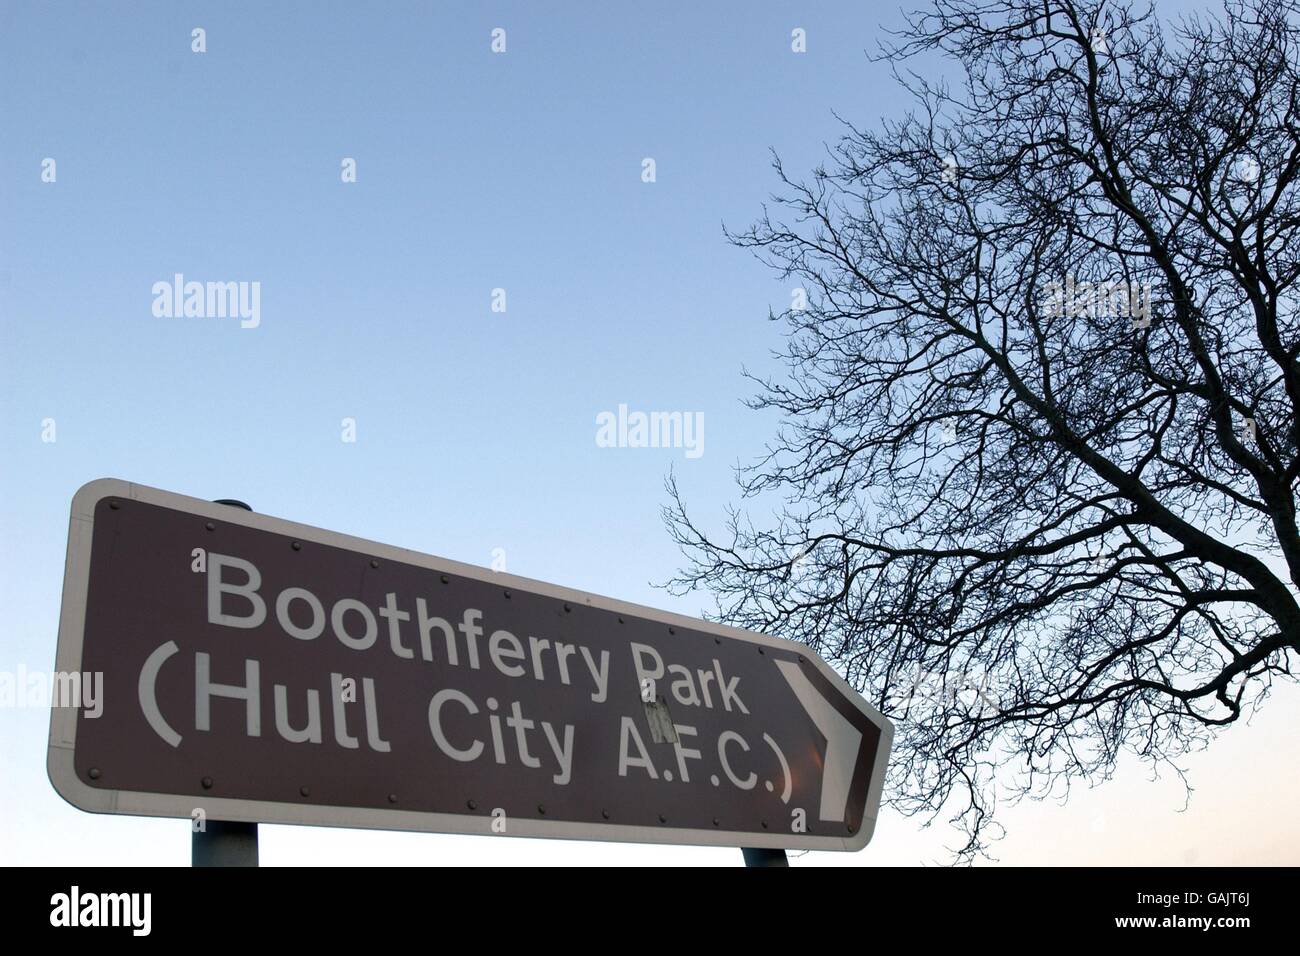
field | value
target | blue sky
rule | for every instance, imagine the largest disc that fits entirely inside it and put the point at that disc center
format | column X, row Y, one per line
column 475, row 429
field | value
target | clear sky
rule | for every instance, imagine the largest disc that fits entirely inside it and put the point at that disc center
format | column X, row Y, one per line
column 475, row 429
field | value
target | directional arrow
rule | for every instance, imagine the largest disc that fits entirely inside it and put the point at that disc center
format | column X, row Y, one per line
column 842, row 742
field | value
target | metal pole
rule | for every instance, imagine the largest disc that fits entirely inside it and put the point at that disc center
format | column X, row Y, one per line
column 223, row 842
column 761, row 856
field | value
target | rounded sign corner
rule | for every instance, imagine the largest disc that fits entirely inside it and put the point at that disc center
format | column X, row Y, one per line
column 95, row 490
column 863, row 836
column 63, row 777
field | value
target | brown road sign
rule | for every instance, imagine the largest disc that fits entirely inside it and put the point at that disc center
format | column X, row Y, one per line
column 259, row 670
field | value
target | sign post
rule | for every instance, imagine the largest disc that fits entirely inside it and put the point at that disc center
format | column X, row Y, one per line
column 223, row 842
column 763, row 857
column 259, row 670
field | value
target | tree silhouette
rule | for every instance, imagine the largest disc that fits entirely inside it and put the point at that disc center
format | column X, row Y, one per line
column 1037, row 461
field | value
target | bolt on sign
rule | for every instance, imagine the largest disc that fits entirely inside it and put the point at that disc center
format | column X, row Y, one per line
column 260, row 670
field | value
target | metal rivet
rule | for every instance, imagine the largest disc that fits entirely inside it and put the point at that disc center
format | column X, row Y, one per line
column 306, row 792
column 850, row 827
column 506, row 593
column 374, row 563
column 567, row 608
column 94, row 773
column 662, row 818
column 297, row 546
column 392, row 798
column 443, row 578
column 210, row 526
column 764, row 824
column 541, row 809
column 715, row 822
column 471, row 804
column 605, row 814
column 115, row 505
column 717, row 640
column 207, row 783
column 621, row 621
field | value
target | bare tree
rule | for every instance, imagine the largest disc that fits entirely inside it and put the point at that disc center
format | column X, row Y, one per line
column 1037, row 462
